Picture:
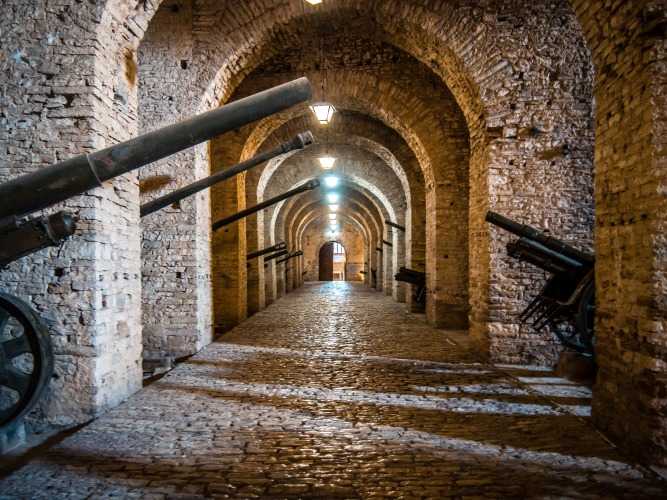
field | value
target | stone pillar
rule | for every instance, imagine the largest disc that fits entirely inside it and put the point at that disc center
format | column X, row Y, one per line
column 229, row 257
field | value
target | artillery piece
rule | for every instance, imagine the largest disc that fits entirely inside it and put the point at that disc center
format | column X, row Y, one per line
column 565, row 305
column 26, row 351
column 416, row 278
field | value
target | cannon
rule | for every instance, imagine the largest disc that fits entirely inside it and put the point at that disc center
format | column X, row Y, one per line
column 274, row 256
column 394, row 225
column 311, row 184
column 298, row 142
column 416, row 278
column 565, row 305
column 273, row 248
column 26, row 351
column 298, row 253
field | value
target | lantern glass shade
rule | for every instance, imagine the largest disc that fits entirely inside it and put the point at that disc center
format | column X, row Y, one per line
column 323, row 112
column 332, row 197
column 327, row 162
column 332, row 216
column 331, row 180
column 333, row 208
column 333, row 226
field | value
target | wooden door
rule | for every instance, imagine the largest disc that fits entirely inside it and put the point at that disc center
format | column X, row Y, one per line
column 326, row 262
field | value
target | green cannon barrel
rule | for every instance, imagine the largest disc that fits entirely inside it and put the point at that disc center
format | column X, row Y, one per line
column 298, row 142
column 57, row 183
column 531, row 233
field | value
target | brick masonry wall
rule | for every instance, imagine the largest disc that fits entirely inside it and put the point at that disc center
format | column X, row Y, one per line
column 627, row 42
column 317, row 235
column 176, row 289
column 69, row 87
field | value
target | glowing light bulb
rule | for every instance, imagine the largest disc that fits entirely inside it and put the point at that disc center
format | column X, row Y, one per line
column 332, row 216
column 332, row 197
column 333, row 208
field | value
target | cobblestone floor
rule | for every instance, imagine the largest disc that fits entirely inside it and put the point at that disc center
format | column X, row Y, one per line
column 334, row 392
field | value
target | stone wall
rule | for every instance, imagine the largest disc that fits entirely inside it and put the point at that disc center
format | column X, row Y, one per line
column 627, row 42
column 317, row 235
column 69, row 87
column 176, row 293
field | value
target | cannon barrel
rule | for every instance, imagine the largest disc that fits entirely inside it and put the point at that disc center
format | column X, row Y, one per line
column 531, row 233
column 275, row 255
column 273, row 248
column 311, row 184
column 57, row 183
column 298, row 142
column 393, row 224
column 544, row 258
column 290, row 256
column 410, row 276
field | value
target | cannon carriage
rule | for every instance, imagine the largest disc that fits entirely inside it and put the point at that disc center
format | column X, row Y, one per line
column 565, row 306
column 26, row 351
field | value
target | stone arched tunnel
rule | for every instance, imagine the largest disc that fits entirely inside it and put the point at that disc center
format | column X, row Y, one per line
column 549, row 113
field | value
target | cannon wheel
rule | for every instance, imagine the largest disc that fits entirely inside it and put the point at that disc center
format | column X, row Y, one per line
column 578, row 334
column 26, row 358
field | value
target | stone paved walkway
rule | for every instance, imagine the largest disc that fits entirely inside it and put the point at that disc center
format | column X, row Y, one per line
column 334, row 392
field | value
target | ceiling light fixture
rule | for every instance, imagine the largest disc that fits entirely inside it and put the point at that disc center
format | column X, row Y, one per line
column 331, row 180
column 333, row 208
column 323, row 110
column 327, row 162
column 314, row 2
column 332, row 197
column 332, row 216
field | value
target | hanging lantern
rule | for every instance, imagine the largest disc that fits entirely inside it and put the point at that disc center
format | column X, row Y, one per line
column 327, row 162
column 323, row 112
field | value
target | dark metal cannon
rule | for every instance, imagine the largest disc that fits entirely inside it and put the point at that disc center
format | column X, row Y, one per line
column 565, row 305
column 26, row 352
column 298, row 253
column 274, row 256
column 393, row 224
column 298, row 142
column 264, row 251
column 416, row 278
column 311, row 184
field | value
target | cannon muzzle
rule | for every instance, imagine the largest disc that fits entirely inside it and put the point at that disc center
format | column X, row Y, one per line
column 57, row 183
